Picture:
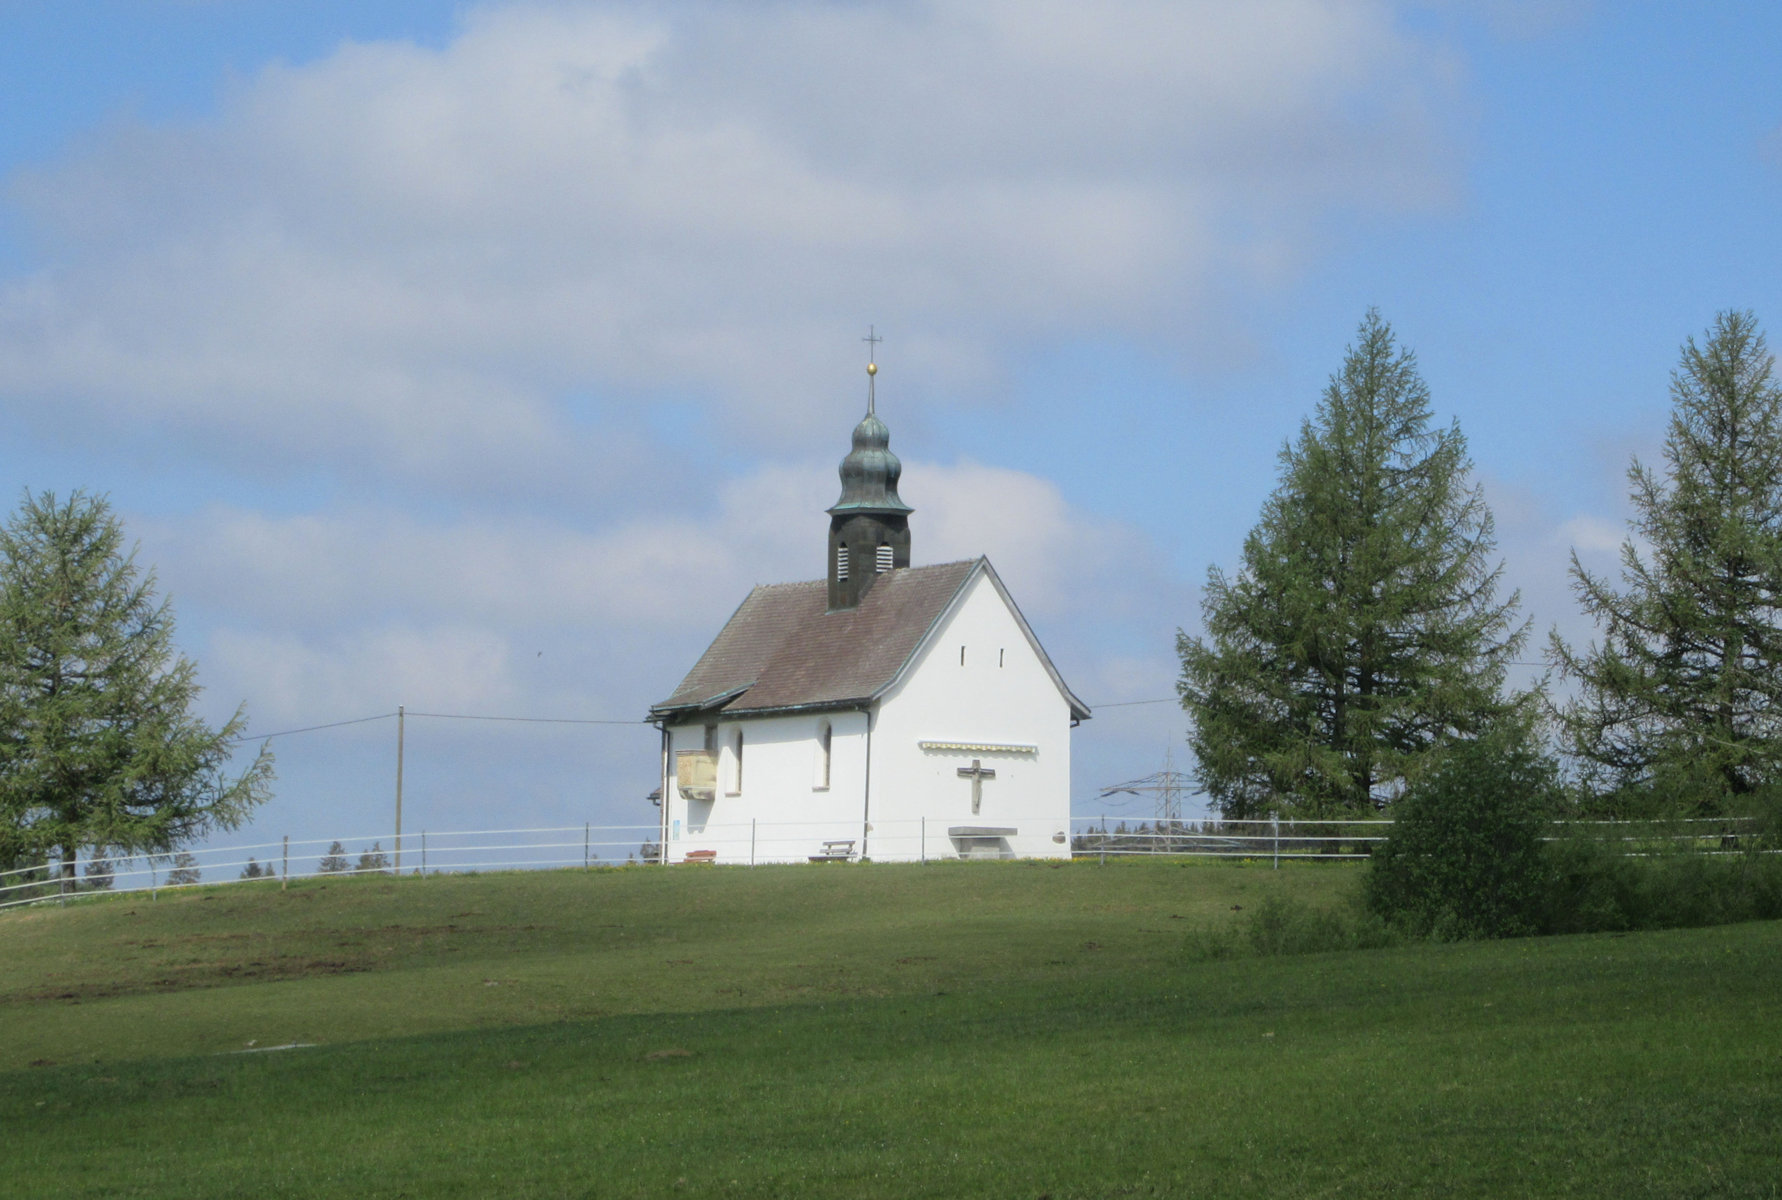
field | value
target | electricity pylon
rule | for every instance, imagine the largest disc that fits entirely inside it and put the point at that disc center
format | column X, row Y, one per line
column 1166, row 786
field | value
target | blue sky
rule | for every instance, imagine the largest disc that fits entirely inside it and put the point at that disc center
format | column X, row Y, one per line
column 479, row 357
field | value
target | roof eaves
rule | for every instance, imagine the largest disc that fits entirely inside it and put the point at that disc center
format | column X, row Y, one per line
column 1078, row 709
column 690, row 706
column 779, row 710
column 934, row 625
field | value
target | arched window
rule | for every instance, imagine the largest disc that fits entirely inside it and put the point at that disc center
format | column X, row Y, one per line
column 820, row 771
column 730, row 773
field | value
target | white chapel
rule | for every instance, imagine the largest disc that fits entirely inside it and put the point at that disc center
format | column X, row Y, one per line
column 889, row 712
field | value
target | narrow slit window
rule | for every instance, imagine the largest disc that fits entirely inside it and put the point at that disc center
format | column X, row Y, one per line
column 841, row 562
column 736, row 764
column 999, row 655
column 883, row 562
column 962, row 656
column 825, row 736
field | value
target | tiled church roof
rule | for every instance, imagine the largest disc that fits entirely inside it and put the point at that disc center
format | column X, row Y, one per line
column 782, row 650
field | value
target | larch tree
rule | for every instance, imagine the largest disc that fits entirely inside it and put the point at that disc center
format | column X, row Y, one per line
column 99, row 749
column 1362, row 632
column 1679, row 704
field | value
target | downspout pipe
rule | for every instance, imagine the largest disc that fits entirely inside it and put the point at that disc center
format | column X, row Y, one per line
column 666, row 793
column 866, row 804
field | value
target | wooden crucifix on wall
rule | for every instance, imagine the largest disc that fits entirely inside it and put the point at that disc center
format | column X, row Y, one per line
column 977, row 773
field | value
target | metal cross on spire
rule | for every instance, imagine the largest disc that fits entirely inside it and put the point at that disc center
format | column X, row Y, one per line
column 872, row 339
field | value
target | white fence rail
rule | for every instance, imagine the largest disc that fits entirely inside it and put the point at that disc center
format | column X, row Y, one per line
column 585, row 845
column 1336, row 839
column 759, row 842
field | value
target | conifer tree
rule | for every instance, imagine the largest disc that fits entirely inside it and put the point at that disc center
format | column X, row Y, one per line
column 1362, row 631
column 98, row 745
column 335, row 861
column 185, row 870
column 1680, row 702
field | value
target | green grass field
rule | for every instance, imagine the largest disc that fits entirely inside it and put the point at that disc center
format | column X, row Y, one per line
column 997, row 1029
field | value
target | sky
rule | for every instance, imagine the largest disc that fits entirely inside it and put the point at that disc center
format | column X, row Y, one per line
column 478, row 358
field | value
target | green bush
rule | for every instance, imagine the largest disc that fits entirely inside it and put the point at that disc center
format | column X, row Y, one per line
column 1278, row 925
column 1596, row 886
column 1464, row 858
column 1591, row 887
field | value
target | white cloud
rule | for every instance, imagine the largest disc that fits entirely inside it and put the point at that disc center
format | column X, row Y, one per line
column 317, row 571
column 1055, row 560
column 315, row 617
column 363, row 671
column 516, row 573
column 1592, row 536
column 402, row 258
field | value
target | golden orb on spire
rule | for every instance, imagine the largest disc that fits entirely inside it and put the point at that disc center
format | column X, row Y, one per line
column 872, row 368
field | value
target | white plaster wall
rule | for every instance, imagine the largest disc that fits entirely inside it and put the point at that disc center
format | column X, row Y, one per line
column 779, row 814
column 1003, row 694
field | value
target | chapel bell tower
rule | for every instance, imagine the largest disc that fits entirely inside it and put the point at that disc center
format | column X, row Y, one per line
column 869, row 527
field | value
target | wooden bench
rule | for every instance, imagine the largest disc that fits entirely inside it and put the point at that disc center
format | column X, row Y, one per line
column 700, row 856
column 839, row 850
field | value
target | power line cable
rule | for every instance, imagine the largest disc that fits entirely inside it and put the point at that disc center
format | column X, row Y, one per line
column 266, row 737
column 526, row 720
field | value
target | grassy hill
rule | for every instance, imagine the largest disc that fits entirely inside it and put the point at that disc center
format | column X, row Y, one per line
column 965, row 1029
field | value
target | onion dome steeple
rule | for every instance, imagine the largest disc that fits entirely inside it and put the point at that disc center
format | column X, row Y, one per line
column 870, row 472
column 869, row 532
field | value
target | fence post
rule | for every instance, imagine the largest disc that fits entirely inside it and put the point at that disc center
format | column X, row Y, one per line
column 53, row 869
column 401, row 710
column 587, row 828
column 1274, row 821
column 924, row 841
column 423, row 853
column 1102, row 841
column 751, row 841
column 285, row 877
